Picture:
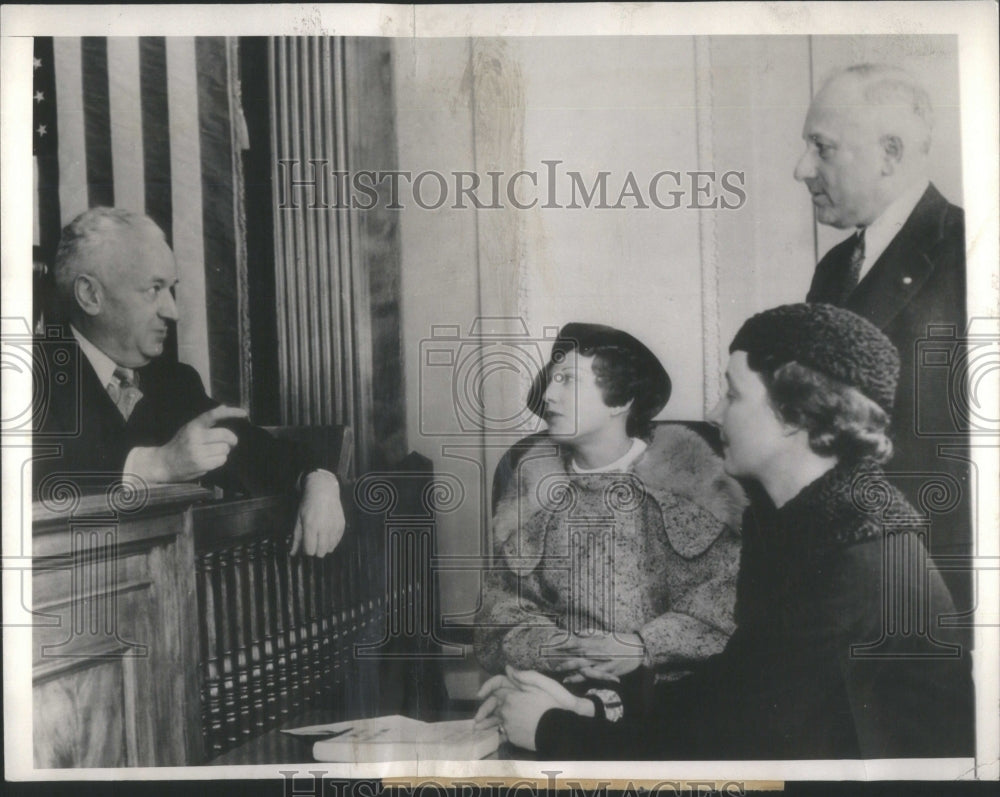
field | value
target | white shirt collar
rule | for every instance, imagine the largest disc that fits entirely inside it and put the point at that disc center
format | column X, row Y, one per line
column 879, row 234
column 621, row 464
column 103, row 365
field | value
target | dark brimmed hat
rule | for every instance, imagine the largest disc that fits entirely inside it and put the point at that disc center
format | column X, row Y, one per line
column 651, row 390
column 831, row 340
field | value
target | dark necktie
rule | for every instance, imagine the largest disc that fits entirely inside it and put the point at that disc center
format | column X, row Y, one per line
column 853, row 275
column 124, row 393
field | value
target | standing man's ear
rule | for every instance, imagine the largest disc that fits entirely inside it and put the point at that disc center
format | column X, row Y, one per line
column 88, row 293
column 892, row 146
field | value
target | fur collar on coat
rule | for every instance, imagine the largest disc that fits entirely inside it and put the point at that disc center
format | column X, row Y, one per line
column 677, row 463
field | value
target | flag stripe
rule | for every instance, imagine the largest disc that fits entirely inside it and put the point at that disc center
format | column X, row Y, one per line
column 126, row 123
column 156, row 131
column 47, row 220
column 188, row 232
column 97, row 121
column 141, row 129
column 221, row 286
column 67, row 55
column 36, row 216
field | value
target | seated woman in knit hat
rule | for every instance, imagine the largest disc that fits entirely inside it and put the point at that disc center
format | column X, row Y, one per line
column 616, row 547
column 838, row 652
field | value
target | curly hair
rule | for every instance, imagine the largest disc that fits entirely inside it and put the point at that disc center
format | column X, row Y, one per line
column 839, row 419
column 621, row 377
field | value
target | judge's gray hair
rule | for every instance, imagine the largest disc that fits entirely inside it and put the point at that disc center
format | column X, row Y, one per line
column 84, row 241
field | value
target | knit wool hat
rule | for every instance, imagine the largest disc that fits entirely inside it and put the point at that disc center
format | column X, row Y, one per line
column 831, row 340
column 652, row 389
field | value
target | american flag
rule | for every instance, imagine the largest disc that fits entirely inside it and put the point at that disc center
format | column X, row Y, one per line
column 151, row 124
column 44, row 150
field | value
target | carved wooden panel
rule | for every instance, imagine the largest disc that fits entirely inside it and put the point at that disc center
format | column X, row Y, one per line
column 79, row 718
column 114, row 650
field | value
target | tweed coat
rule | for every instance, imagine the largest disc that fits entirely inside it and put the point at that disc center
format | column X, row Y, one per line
column 653, row 551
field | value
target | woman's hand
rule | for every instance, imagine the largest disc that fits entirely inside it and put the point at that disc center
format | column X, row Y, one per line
column 600, row 656
column 529, row 680
column 516, row 702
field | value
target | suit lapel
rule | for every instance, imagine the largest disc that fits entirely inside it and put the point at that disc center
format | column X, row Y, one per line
column 905, row 265
column 95, row 395
column 828, row 281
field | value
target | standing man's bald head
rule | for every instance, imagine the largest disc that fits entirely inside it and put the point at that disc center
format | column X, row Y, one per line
column 867, row 134
column 115, row 275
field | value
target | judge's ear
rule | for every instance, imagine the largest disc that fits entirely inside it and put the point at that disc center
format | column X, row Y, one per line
column 88, row 293
column 892, row 148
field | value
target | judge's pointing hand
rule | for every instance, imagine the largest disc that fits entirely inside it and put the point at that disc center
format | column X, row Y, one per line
column 198, row 447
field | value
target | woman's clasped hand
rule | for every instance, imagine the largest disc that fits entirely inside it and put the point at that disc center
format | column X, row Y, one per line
column 514, row 702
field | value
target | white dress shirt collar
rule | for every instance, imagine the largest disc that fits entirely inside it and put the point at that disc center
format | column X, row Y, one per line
column 879, row 234
column 103, row 365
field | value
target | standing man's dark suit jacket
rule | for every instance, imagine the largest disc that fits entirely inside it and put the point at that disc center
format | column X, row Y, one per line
column 918, row 280
column 82, row 433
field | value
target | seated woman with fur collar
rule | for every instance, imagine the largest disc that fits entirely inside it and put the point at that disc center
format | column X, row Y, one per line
column 616, row 547
column 840, row 650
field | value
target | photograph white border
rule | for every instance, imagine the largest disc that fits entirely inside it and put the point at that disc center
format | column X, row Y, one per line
column 975, row 23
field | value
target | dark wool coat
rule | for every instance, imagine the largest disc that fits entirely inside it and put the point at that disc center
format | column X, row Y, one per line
column 919, row 281
column 654, row 551
column 821, row 665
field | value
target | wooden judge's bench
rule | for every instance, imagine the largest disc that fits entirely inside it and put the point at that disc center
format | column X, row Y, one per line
column 173, row 627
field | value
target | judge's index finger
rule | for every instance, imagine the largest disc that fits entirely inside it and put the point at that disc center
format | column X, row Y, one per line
column 221, row 413
column 220, row 436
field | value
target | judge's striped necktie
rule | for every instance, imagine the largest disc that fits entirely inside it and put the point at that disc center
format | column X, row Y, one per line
column 853, row 275
column 123, row 391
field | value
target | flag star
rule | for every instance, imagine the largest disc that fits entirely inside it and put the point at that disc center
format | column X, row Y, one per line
column 39, row 96
column 41, row 130
column 36, row 63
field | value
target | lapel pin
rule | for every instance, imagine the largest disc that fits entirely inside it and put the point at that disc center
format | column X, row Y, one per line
column 907, row 280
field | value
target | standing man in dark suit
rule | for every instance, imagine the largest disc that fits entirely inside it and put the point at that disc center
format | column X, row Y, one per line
column 133, row 414
column 866, row 165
